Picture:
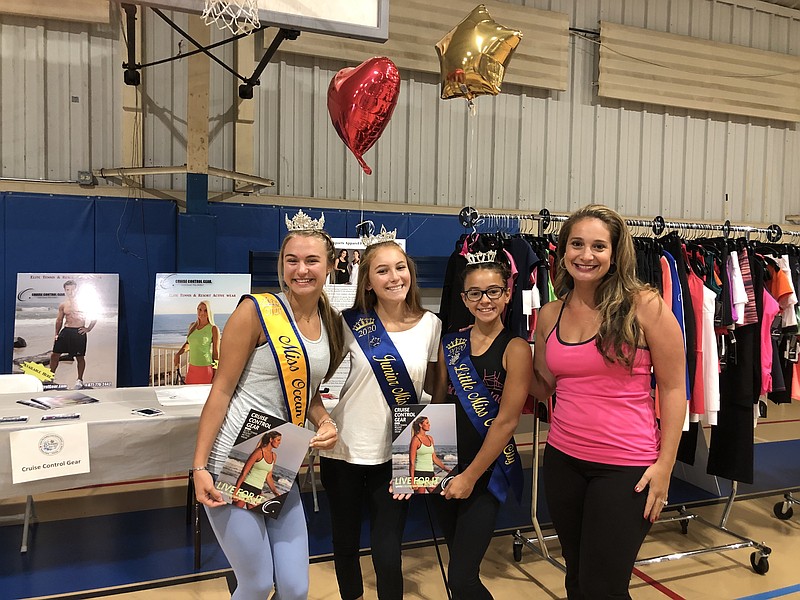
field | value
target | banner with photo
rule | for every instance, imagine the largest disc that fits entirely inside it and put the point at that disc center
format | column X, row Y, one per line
column 189, row 315
column 341, row 290
column 65, row 329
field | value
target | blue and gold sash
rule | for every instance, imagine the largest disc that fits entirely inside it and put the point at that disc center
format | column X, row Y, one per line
column 289, row 352
column 382, row 356
column 481, row 408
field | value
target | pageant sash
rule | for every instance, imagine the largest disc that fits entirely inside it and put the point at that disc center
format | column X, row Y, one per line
column 382, row 356
column 481, row 408
column 289, row 352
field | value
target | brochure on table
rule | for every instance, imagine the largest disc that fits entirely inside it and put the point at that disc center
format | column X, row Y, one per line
column 177, row 298
column 65, row 329
column 45, row 452
column 342, row 296
column 59, row 400
column 184, row 395
column 248, row 478
column 432, row 429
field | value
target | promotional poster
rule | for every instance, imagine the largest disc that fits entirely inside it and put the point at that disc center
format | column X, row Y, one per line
column 424, row 447
column 189, row 315
column 263, row 463
column 65, row 329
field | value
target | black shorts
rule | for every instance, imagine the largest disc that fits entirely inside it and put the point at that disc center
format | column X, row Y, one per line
column 69, row 341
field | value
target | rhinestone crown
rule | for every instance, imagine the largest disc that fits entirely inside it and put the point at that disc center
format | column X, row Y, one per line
column 302, row 222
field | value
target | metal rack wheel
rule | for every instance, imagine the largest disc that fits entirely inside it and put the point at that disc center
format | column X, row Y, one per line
column 783, row 511
column 517, row 549
column 759, row 562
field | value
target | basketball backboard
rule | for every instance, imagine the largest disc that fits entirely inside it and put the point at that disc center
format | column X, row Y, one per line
column 362, row 19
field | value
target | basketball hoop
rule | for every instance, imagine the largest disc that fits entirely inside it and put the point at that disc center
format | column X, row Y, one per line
column 240, row 16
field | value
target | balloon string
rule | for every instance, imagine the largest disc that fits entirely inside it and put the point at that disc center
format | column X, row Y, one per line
column 361, row 193
column 471, row 119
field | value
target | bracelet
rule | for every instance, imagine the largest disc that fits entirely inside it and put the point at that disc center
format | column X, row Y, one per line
column 193, row 469
column 328, row 420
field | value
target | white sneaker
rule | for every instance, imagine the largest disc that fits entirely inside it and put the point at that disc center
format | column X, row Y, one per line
column 78, row 384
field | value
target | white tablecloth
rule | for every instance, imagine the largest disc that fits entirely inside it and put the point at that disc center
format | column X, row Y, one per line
column 122, row 446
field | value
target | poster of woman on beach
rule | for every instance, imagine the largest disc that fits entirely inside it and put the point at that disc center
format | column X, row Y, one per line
column 65, row 329
column 189, row 315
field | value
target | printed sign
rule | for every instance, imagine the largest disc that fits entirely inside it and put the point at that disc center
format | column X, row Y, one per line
column 189, row 315
column 65, row 329
column 45, row 452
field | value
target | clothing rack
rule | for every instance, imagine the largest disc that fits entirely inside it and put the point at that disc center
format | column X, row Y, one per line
column 783, row 509
column 759, row 559
column 471, row 218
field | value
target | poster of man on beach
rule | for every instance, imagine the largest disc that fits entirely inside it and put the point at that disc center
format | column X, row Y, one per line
column 65, row 329
column 189, row 315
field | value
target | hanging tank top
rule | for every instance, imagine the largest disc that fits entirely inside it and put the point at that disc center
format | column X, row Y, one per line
column 603, row 412
column 258, row 473
column 424, row 460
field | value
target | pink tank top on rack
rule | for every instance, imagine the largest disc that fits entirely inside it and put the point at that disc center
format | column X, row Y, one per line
column 604, row 412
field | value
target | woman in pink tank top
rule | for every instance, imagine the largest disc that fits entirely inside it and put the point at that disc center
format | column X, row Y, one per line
column 608, row 460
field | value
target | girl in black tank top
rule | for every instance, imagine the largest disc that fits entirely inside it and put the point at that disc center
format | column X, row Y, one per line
column 489, row 366
column 467, row 508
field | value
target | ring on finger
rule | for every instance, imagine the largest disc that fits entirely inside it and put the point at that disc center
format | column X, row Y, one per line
column 664, row 501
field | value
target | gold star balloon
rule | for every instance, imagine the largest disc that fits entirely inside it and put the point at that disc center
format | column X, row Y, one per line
column 473, row 56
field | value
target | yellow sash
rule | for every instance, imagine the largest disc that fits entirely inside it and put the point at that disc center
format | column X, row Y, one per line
column 289, row 352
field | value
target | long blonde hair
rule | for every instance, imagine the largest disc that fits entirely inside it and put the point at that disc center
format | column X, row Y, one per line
column 619, row 333
column 366, row 299
column 333, row 324
column 209, row 312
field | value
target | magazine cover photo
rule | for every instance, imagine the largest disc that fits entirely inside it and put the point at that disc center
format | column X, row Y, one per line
column 263, row 463
column 424, row 447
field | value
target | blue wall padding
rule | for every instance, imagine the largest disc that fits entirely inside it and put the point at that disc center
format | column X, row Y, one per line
column 135, row 238
column 197, row 250
column 42, row 233
column 244, row 227
column 433, row 235
column 138, row 238
column 6, row 305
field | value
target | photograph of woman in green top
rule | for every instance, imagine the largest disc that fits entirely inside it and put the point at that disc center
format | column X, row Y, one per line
column 422, row 457
column 202, row 342
column 257, row 471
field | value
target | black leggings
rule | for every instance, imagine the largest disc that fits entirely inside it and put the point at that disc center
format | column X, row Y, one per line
column 468, row 526
column 599, row 520
column 348, row 487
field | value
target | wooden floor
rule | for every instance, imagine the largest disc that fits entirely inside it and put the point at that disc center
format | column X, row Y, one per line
column 718, row 575
column 710, row 575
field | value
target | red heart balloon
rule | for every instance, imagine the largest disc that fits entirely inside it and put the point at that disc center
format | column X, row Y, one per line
column 361, row 101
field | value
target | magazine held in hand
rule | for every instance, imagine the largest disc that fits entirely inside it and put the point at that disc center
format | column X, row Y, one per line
column 424, row 448
column 263, row 463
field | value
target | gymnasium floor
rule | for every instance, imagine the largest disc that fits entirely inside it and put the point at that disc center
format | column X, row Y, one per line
column 131, row 542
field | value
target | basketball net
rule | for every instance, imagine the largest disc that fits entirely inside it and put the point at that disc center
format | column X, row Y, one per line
column 239, row 16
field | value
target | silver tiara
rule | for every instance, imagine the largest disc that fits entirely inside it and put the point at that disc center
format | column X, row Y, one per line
column 474, row 258
column 368, row 238
column 302, row 222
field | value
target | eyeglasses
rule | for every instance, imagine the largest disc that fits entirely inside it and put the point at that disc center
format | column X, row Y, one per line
column 492, row 293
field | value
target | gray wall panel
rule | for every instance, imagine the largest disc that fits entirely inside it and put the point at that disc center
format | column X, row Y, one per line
column 528, row 148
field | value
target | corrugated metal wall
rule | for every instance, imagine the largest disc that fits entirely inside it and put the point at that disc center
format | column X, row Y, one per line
column 527, row 148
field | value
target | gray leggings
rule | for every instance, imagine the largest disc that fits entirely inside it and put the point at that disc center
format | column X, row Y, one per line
column 265, row 552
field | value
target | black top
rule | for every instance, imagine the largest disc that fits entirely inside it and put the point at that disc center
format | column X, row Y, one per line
column 489, row 367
